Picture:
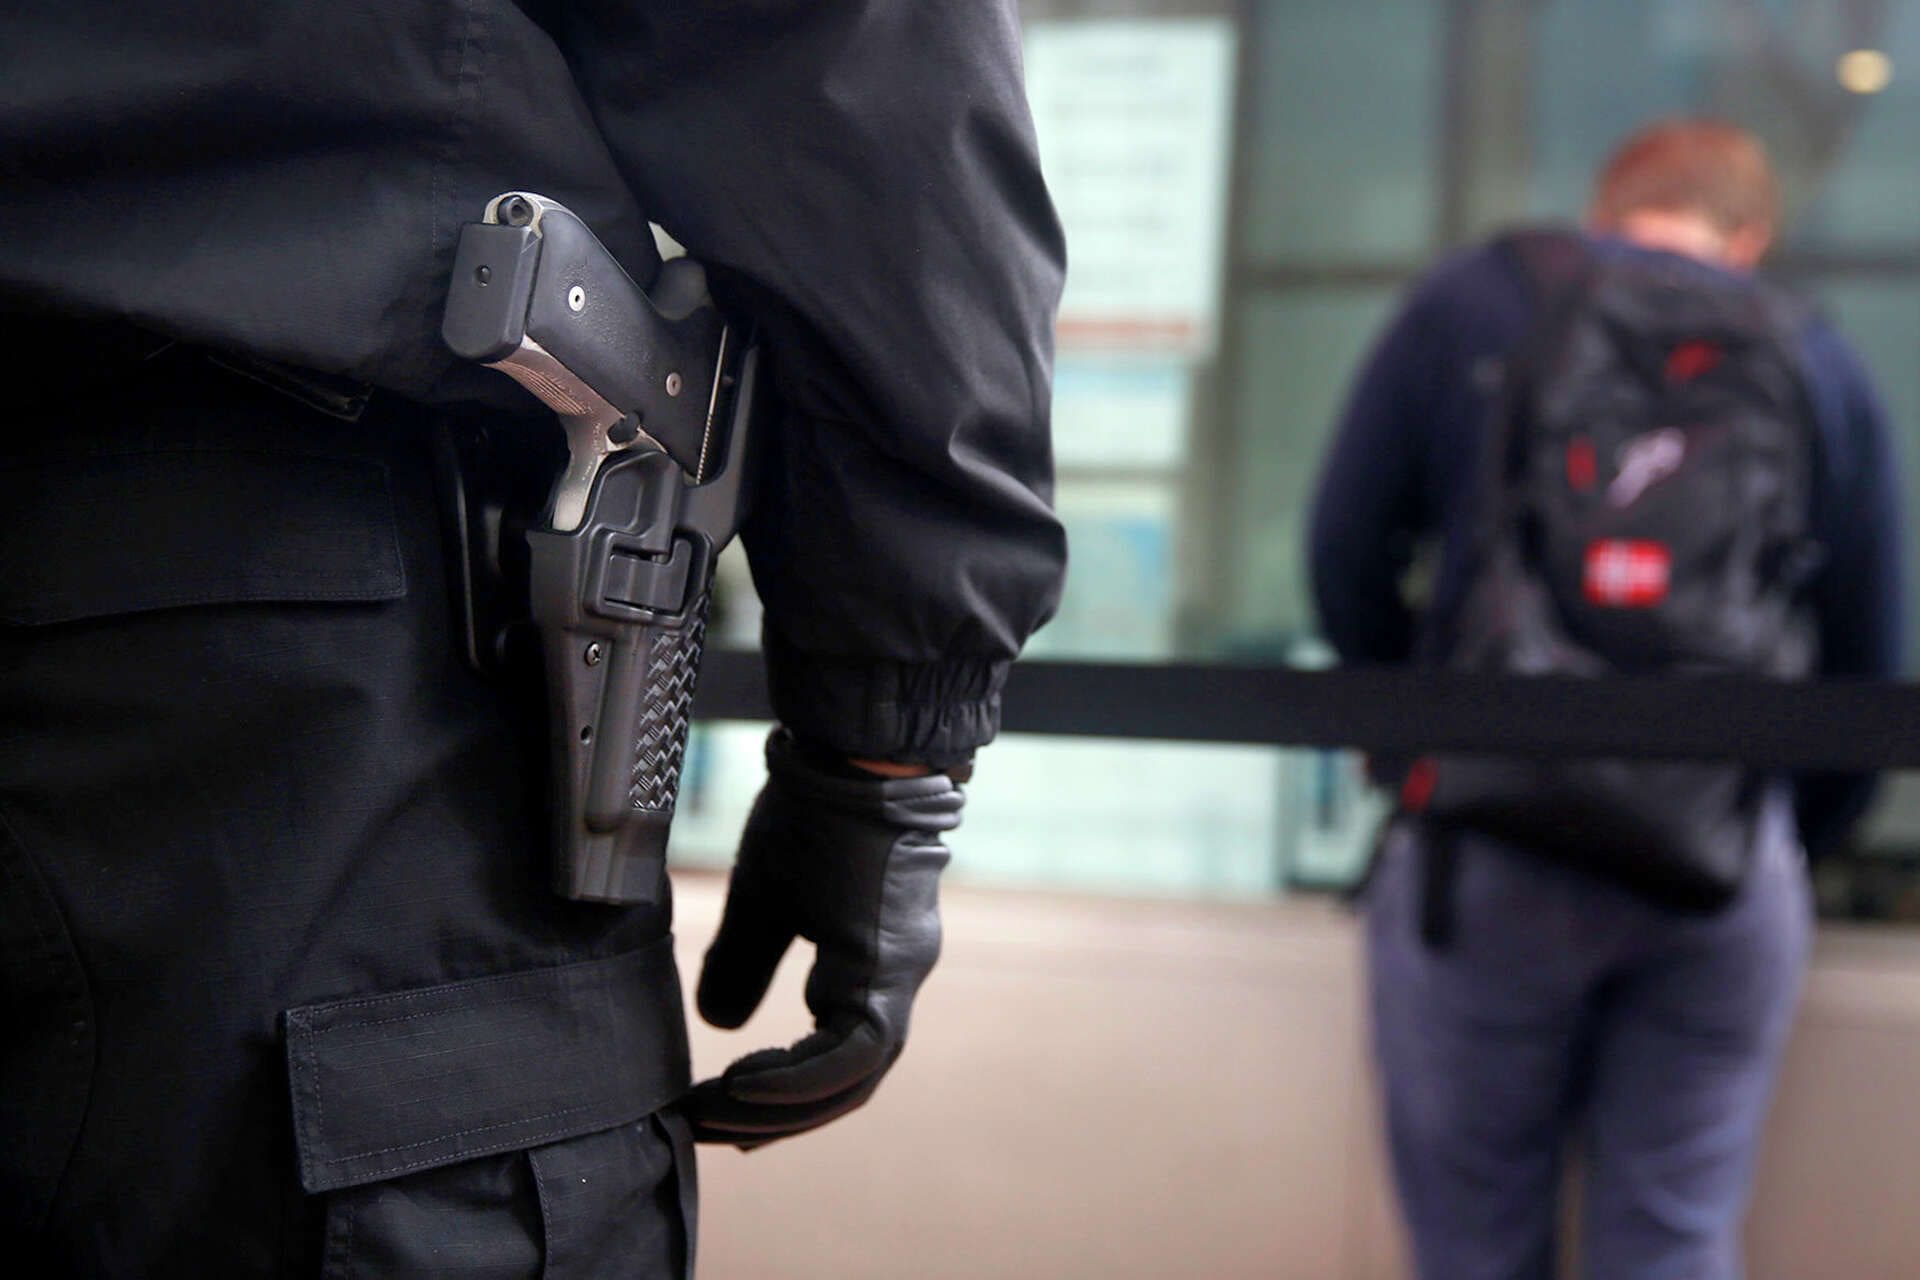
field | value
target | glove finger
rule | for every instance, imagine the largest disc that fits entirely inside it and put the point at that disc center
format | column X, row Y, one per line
column 715, row 1116
column 818, row 1067
column 745, row 952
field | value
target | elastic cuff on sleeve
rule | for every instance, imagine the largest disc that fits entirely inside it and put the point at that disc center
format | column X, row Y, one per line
column 936, row 713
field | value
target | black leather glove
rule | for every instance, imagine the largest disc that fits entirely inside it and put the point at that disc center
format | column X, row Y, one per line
column 850, row 862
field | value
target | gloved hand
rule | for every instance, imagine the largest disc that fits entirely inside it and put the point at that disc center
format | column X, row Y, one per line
column 851, row 863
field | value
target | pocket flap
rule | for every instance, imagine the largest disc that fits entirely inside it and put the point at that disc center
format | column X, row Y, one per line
column 389, row 1084
column 120, row 533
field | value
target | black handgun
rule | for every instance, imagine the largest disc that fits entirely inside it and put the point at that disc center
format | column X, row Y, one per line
column 655, row 391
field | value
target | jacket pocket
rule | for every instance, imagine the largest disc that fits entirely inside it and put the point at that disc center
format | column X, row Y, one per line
column 503, row 1126
column 115, row 533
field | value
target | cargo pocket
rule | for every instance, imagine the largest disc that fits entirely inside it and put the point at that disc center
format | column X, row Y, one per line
column 504, row 1126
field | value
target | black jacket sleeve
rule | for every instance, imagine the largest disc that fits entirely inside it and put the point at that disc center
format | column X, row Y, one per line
column 862, row 177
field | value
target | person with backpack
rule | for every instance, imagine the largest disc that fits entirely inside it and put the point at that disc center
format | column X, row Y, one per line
column 1634, row 458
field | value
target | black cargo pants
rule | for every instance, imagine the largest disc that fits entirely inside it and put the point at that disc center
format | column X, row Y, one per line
column 283, row 990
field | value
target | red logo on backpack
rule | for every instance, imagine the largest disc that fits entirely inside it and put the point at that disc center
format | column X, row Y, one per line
column 1692, row 359
column 1627, row 573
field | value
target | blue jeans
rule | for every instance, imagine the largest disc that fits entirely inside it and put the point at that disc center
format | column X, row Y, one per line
column 1563, row 1008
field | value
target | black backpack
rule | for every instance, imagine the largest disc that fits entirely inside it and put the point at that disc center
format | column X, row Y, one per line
column 1643, row 510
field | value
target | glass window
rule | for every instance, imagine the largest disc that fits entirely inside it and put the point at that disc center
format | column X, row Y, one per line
column 1298, row 352
column 1781, row 69
column 1343, row 136
column 1119, row 603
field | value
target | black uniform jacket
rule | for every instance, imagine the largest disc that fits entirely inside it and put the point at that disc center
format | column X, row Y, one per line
column 289, row 178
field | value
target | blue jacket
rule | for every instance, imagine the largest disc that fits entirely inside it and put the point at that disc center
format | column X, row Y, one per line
column 1403, row 466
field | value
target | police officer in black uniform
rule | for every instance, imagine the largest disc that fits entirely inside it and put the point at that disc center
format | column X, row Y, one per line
column 284, row 987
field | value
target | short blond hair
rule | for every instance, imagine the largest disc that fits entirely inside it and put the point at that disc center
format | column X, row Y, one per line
column 1705, row 167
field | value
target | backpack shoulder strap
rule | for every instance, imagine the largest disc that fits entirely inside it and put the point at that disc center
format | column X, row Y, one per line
column 1557, row 268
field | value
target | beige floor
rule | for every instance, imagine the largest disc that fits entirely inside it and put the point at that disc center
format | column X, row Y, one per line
column 1116, row 1089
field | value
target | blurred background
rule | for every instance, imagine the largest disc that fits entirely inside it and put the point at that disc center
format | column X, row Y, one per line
column 1143, row 1055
